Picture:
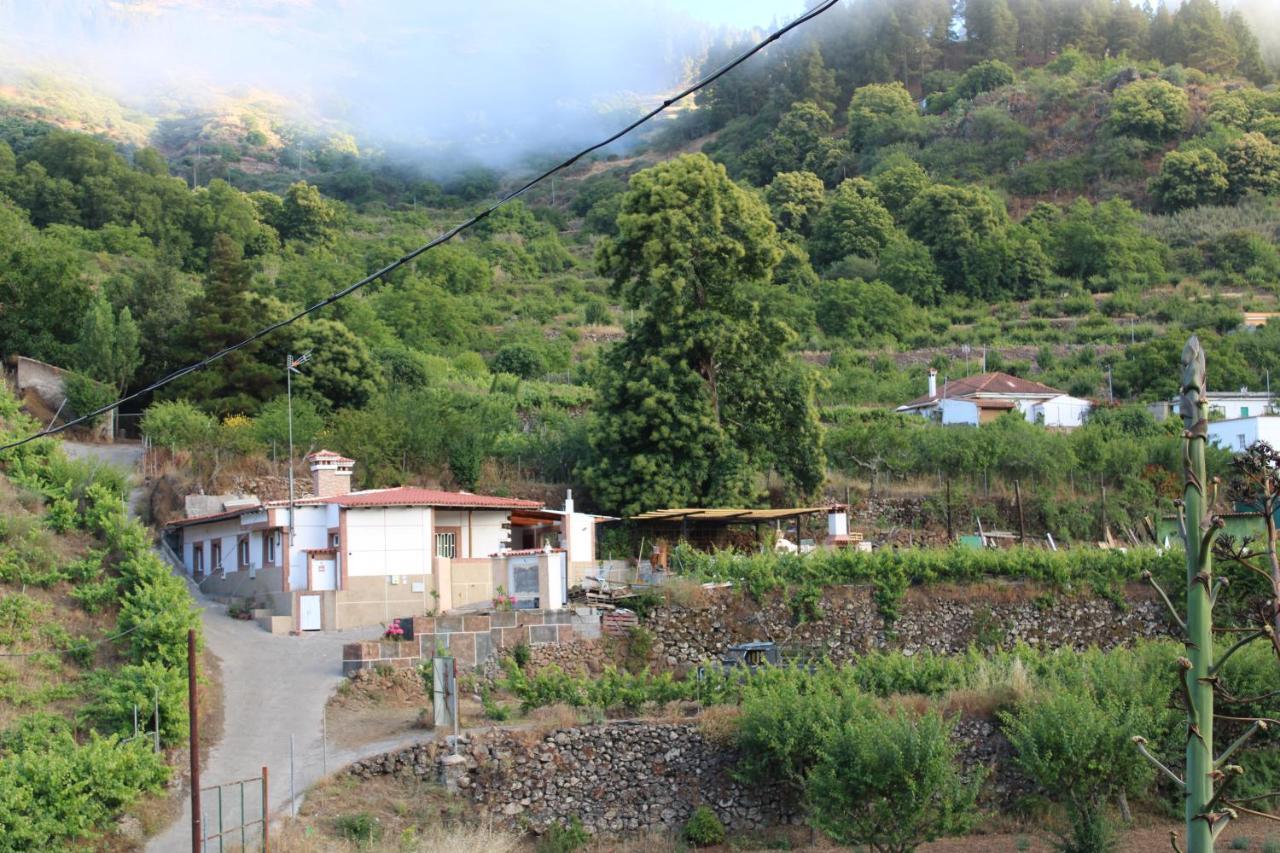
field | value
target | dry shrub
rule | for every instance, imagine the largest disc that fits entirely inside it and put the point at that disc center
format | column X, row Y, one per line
column 545, row 720
column 294, row 837
column 652, row 842
column 912, row 703
column 719, row 724
column 684, row 592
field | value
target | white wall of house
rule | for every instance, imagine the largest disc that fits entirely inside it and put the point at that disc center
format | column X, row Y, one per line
column 582, row 544
column 1061, row 411
column 202, row 537
column 388, row 541
column 959, row 412
column 1236, row 434
column 486, row 534
column 310, row 530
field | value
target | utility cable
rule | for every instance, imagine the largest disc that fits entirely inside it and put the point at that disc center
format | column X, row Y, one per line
column 442, row 238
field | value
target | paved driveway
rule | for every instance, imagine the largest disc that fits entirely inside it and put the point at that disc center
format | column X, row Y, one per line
column 272, row 686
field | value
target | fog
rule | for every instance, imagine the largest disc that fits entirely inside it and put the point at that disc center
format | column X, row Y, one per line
column 496, row 77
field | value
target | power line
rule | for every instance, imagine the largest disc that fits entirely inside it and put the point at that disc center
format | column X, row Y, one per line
column 442, row 238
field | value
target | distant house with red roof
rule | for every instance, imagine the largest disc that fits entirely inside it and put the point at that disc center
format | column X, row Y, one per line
column 976, row 400
column 341, row 559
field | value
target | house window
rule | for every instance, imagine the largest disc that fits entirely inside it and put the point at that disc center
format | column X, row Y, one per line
column 334, row 540
column 1244, row 411
column 447, row 545
column 215, row 556
column 244, row 552
column 197, row 558
column 1240, row 438
column 269, row 548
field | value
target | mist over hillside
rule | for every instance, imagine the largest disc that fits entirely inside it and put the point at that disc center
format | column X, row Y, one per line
column 487, row 82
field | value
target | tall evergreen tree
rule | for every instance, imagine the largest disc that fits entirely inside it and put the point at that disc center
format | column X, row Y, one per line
column 991, row 29
column 239, row 382
column 702, row 397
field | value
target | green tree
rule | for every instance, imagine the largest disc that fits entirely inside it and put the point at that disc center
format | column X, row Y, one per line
column 881, row 114
column 964, row 228
column 1189, row 178
column 1106, row 241
column 796, row 135
column 109, row 346
column 984, row 77
column 519, row 360
column 990, row 28
column 1154, row 110
column 239, row 381
column 865, row 313
column 693, row 405
column 899, row 182
column 907, row 267
column 341, row 369
column 890, row 781
column 1253, row 165
column 306, row 215
column 1199, row 38
column 853, row 222
column 795, row 199
column 43, row 295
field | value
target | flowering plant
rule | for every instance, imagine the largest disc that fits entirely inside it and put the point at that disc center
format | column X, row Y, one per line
column 394, row 631
column 502, row 601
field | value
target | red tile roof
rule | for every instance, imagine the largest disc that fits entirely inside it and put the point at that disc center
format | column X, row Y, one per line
column 215, row 516
column 994, row 384
column 329, row 456
column 415, row 496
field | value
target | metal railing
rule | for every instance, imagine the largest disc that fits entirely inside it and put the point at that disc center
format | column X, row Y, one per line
column 237, row 821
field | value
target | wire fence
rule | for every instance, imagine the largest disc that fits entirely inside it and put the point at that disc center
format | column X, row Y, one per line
column 236, row 815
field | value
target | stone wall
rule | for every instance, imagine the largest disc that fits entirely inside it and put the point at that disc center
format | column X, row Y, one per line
column 633, row 776
column 473, row 639
column 939, row 618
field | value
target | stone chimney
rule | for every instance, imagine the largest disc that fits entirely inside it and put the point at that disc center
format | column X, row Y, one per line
column 933, row 382
column 330, row 474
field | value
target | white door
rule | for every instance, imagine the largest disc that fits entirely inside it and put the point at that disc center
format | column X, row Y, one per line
column 298, row 571
column 309, row 612
column 324, row 574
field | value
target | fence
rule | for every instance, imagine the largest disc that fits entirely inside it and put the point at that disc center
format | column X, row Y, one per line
column 232, row 818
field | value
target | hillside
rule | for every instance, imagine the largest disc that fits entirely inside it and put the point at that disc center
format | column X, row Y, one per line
column 1064, row 200
column 92, row 646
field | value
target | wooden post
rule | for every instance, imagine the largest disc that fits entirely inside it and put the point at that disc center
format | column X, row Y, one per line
column 951, row 535
column 197, row 830
column 1022, row 525
column 266, row 815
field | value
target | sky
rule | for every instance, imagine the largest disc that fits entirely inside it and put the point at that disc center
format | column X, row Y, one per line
column 502, row 75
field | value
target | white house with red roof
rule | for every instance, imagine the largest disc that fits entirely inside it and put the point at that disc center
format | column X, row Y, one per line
column 343, row 559
column 980, row 399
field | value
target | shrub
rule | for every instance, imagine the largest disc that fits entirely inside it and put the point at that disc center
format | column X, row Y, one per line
column 85, row 394
column 177, row 425
column 889, row 781
column 1154, row 110
column 564, row 838
column 703, row 828
column 519, row 360
column 114, row 696
column 362, row 827
column 521, row 654
column 1190, row 178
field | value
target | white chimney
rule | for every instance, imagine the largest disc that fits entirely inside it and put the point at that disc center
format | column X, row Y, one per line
column 330, row 474
column 568, row 502
column 933, row 382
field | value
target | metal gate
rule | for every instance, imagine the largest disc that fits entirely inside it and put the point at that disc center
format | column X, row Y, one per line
column 239, row 819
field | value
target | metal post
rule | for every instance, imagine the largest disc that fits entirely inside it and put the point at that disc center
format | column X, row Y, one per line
column 221, row 820
column 288, row 384
column 155, row 704
column 266, row 815
column 293, row 803
column 194, row 712
column 242, row 817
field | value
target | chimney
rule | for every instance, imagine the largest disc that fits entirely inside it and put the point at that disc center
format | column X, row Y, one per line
column 933, row 382
column 330, row 474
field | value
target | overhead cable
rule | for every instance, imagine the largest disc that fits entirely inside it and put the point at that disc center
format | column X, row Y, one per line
column 442, row 238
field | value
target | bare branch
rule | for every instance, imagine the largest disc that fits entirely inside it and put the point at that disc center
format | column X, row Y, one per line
column 1149, row 578
column 1141, row 742
column 1239, row 644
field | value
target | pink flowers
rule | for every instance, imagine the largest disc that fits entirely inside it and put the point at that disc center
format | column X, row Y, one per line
column 502, row 601
column 394, row 631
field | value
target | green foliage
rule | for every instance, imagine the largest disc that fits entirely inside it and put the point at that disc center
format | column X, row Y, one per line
column 852, row 222
column 1154, row 110
column 85, row 395
column 683, row 416
column 519, row 360
column 890, row 781
column 881, row 114
column 55, row 792
column 795, row 198
column 361, row 827
column 1189, row 178
column 703, row 828
column 563, row 837
column 1074, row 738
column 114, row 696
column 521, row 654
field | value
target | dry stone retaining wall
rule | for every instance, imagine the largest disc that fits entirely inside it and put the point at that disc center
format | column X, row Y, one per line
column 941, row 619
column 634, row 776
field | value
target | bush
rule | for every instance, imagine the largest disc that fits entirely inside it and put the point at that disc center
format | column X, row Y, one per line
column 564, row 838
column 85, row 394
column 703, row 828
column 115, row 695
column 177, row 425
column 519, row 360
column 362, row 827
column 1154, row 110
column 889, row 781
